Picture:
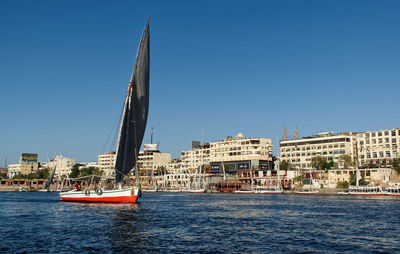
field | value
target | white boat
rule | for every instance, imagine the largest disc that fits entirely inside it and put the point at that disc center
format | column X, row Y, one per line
column 343, row 193
column 263, row 190
column 244, row 191
column 392, row 191
column 306, row 192
column 366, row 190
column 129, row 195
column 131, row 132
column 194, row 191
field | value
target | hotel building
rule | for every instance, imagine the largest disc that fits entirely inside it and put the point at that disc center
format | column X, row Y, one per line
column 106, row 163
column 240, row 153
column 195, row 158
column 378, row 148
column 298, row 152
column 152, row 159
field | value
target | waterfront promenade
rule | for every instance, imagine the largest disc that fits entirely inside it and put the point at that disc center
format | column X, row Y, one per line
column 36, row 222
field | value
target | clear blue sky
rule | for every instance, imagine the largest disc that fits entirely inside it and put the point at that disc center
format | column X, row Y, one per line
column 230, row 66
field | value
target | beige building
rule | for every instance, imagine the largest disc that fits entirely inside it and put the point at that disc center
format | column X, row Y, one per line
column 299, row 152
column 152, row 159
column 27, row 164
column 239, row 153
column 106, row 163
column 374, row 176
column 195, row 158
column 378, row 148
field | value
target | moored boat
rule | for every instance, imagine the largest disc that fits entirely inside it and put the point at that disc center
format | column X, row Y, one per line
column 263, row 190
column 306, row 192
column 366, row 190
column 392, row 191
column 194, row 191
column 244, row 191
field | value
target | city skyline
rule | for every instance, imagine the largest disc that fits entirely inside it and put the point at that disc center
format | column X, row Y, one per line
column 223, row 67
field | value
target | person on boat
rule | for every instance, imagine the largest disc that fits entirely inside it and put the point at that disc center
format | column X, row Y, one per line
column 77, row 186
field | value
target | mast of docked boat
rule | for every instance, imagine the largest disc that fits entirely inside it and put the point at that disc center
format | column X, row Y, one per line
column 278, row 166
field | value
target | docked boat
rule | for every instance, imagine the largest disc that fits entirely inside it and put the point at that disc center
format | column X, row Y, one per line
column 132, row 128
column 366, row 190
column 264, row 190
column 306, row 192
column 392, row 191
column 194, row 190
column 244, row 191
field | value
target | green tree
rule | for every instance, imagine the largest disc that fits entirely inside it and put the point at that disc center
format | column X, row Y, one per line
column 342, row 185
column 396, row 165
column 3, row 175
column 346, row 160
column 361, row 181
column 90, row 171
column 318, row 162
column 329, row 165
column 284, row 165
column 75, row 172
column 43, row 174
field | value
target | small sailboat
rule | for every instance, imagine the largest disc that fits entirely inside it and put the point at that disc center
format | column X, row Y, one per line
column 132, row 128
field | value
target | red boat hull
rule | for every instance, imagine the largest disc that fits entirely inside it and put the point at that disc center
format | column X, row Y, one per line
column 124, row 199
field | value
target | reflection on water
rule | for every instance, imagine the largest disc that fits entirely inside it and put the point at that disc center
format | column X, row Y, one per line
column 217, row 223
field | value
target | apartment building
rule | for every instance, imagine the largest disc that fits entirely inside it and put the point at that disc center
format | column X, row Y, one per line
column 299, row 152
column 152, row 159
column 27, row 164
column 106, row 163
column 378, row 148
column 62, row 164
column 193, row 159
column 238, row 153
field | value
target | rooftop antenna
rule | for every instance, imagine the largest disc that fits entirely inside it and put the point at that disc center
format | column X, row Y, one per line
column 284, row 133
column 202, row 133
column 151, row 135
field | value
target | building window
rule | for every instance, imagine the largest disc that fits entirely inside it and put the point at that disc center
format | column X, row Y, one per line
column 381, row 154
column 373, row 134
column 380, row 134
column 386, row 133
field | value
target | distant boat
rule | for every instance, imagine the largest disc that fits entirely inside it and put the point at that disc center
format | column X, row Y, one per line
column 392, row 191
column 132, row 128
column 366, row 190
column 263, row 190
column 306, row 192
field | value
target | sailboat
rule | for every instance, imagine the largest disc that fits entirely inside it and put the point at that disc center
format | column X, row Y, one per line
column 132, row 128
column 49, row 180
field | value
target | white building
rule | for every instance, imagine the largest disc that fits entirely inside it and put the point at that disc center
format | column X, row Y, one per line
column 13, row 170
column 299, row 152
column 106, row 163
column 378, row 147
column 62, row 164
column 240, row 153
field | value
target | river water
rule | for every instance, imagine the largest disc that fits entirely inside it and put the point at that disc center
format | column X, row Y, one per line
column 34, row 222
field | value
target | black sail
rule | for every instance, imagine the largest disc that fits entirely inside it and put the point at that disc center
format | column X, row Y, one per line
column 134, row 118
